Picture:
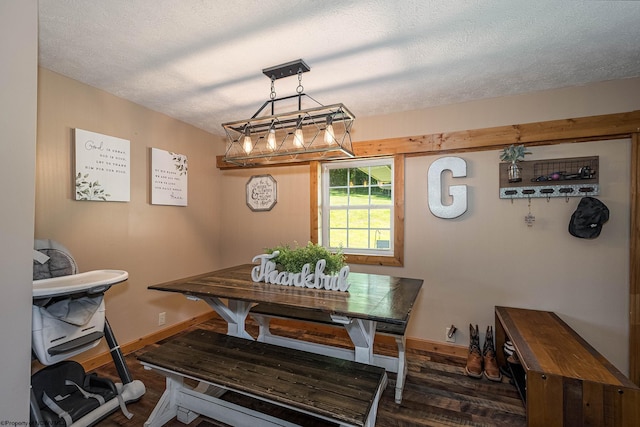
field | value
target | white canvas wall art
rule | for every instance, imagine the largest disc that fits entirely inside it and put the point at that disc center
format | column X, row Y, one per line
column 169, row 173
column 102, row 167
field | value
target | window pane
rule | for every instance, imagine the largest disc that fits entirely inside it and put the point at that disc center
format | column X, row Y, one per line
column 358, row 177
column 338, row 178
column 381, row 239
column 358, row 218
column 380, row 174
column 338, row 197
column 359, row 186
column 359, row 239
column 380, row 218
column 359, row 196
column 381, row 195
column 338, row 218
column 337, row 238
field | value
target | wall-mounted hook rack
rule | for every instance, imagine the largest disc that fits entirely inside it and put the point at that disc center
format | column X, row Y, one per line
column 569, row 177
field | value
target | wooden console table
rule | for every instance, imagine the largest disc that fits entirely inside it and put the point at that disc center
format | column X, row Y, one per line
column 566, row 382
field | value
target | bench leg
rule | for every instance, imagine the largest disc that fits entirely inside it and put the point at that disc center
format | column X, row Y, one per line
column 373, row 412
column 167, row 407
column 185, row 416
column 263, row 326
column 402, row 368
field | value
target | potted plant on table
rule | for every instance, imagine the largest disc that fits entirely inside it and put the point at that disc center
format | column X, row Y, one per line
column 513, row 154
column 293, row 259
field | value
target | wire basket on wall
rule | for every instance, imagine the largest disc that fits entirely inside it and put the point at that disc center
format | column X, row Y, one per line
column 569, row 177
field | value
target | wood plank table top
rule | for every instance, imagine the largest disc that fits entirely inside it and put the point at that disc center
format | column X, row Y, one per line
column 374, row 297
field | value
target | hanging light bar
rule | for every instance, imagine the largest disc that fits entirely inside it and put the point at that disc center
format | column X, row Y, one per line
column 321, row 132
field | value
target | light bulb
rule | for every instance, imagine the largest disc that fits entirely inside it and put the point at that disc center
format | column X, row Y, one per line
column 298, row 138
column 271, row 139
column 329, row 136
column 247, row 145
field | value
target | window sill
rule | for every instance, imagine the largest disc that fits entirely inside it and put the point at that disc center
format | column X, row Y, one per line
column 375, row 260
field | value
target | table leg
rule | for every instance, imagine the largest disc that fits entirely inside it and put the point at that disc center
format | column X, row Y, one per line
column 362, row 333
column 235, row 314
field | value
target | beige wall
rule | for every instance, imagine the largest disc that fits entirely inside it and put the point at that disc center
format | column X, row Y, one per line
column 18, row 74
column 617, row 96
column 489, row 256
column 247, row 233
column 153, row 243
column 486, row 257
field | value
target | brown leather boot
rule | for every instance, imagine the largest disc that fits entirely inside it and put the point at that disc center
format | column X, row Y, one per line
column 474, row 359
column 491, row 370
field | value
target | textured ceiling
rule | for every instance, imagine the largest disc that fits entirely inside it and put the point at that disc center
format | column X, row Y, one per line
column 201, row 61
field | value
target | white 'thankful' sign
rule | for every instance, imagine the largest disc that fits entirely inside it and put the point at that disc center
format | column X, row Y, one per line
column 266, row 272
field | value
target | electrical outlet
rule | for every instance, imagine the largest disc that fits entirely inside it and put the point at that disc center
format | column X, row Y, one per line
column 446, row 335
column 162, row 318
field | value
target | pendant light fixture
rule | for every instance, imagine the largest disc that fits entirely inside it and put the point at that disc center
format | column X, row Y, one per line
column 317, row 132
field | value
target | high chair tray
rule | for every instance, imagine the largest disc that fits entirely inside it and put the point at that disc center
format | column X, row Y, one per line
column 90, row 282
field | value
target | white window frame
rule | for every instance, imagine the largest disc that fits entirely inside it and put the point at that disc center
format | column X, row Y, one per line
column 325, row 208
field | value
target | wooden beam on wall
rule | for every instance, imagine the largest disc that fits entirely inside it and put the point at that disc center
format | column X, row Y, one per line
column 607, row 126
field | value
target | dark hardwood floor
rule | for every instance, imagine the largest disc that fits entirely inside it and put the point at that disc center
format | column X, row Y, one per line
column 437, row 392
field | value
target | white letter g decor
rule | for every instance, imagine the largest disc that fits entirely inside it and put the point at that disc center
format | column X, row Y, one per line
column 458, row 168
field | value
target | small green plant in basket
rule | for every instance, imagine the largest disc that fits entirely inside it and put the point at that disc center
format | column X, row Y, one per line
column 292, row 260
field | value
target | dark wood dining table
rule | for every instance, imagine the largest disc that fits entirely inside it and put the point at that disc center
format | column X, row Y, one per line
column 370, row 299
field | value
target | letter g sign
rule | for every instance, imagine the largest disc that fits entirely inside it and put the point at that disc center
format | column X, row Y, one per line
column 458, row 168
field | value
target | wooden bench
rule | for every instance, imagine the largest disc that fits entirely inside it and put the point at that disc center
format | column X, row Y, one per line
column 335, row 390
column 562, row 379
column 263, row 313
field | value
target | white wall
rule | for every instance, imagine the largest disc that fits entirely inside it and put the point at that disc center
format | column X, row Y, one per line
column 18, row 75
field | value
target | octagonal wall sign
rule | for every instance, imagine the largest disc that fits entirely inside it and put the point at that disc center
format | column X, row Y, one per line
column 261, row 193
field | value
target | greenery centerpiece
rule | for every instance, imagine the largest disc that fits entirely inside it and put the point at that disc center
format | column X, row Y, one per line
column 513, row 154
column 311, row 266
column 293, row 259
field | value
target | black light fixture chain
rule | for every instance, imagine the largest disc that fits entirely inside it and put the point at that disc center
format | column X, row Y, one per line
column 300, row 88
column 272, row 95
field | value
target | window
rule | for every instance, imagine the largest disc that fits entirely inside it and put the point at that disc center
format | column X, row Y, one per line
column 359, row 210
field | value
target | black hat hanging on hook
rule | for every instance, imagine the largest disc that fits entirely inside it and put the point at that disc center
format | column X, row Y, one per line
column 586, row 222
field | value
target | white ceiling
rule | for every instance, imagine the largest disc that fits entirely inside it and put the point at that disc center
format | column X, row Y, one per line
column 201, row 61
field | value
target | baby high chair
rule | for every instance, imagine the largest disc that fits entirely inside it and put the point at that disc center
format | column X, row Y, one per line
column 68, row 314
